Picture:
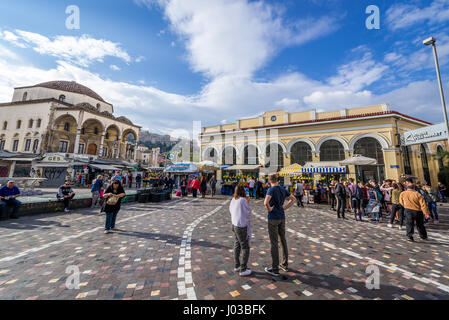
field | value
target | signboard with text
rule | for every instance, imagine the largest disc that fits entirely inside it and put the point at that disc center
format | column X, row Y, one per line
column 436, row 132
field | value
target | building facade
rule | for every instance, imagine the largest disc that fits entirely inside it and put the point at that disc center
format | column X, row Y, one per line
column 66, row 118
column 278, row 139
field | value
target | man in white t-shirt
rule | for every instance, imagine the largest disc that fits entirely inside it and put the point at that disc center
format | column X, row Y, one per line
column 299, row 194
column 251, row 184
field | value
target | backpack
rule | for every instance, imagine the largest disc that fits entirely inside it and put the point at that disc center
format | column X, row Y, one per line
column 380, row 196
column 359, row 193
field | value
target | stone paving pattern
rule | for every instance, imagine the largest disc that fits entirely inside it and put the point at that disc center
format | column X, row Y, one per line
column 328, row 257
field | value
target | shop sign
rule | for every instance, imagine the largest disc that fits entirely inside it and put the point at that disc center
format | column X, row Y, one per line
column 54, row 158
column 437, row 132
column 394, row 167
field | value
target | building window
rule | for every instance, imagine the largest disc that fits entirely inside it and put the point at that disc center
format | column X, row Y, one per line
column 28, row 145
column 332, row 150
column 5, row 125
column 19, row 124
column 81, row 147
column 275, row 156
column 35, row 145
column 301, row 153
column 229, row 156
column 95, row 130
column 24, row 97
column 407, row 164
column 2, row 145
column 107, row 136
column 105, row 152
column 66, row 126
column 98, row 106
column 440, row 152
column 15, row 145
column 63, row 146
column 30, row 123
column 39, row 122
column 83, row 131
column 62, row 98
column 251, row 155
column 371, row 148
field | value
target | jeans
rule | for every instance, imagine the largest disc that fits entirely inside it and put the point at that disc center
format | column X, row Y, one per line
column 355, row 203
column 241, row 244
column 183, row 191
column 95, row 197
column 397, row 208
column 332, row 197
column 12, row 202
column 276, row 231
column 251, row 192
column 194, row 191
column 67, row 201
column 138, row 183
column 110, row 220
column 411, row 217
column 299, row 200
column 341, row 206
column 214, row 189
column 433, row 210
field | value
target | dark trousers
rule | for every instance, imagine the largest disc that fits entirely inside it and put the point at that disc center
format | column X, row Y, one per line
column 332, row 197
column 194, row 191
column 251, row 192
column 400, row 210
column 341, row 206
column 67, row 201
column 299, row 200
column 412, row 217
column 241, row 245
column 11, row 202
column 276, row 231
column 356, row 206
column 110, row 220
column 214, row 189
column 138, row 183
column 183, row 191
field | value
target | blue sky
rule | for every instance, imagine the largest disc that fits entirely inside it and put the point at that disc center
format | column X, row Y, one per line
column 166, row 63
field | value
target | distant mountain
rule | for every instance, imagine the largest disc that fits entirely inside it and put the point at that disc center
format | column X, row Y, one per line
column 153, row 140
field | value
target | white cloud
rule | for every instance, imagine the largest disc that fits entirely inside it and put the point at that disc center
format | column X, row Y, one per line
column 400, row 16
column 114, row 67
column 82, row 50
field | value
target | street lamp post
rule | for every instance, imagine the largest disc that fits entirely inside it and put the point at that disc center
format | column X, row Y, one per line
column 432, row 42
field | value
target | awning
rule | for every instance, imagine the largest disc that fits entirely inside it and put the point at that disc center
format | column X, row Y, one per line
column 293, row 170
column 182, row 168
column 359, row 160
column 103, row 167
column 19, row 159
column 52, row 165
column 323, row 167
column 244, row 167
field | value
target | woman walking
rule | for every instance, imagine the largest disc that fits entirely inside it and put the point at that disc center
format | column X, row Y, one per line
column 97, row 184
column 183, row 187
column 113, row 197
column 203, row 186
column 241, row 226
column 396, row 207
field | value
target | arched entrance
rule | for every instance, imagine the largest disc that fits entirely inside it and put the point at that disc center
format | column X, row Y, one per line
column 371, row 148
column 332, row 150
column 301, row 153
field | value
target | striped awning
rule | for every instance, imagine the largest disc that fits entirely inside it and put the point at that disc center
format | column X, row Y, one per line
column 324, row 170
column 293, row 170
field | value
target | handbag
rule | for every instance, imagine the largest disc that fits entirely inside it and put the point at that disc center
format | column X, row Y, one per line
column 112, row 200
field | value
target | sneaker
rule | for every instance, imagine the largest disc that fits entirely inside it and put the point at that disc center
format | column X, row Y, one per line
column 390, row 225
column 107, row 231
column 237, row 269
column 245, row 273
column 67, row 210
column 400, row 228
column 272, row 272
column 411, row 239
column 283, row 268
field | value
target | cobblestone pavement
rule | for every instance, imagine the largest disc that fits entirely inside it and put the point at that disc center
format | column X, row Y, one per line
column 183, row 249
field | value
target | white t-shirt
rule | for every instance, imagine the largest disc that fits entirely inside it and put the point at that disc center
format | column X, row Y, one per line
column 299, row 188
column 251, row 183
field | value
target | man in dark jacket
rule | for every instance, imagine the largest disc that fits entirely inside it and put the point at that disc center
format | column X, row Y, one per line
column 340, row 194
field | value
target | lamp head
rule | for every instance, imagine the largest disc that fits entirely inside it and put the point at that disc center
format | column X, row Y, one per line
column 429, row 41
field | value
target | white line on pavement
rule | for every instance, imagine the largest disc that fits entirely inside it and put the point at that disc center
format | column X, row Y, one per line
column 64, row 239
column 185, row 264
column 369, row 259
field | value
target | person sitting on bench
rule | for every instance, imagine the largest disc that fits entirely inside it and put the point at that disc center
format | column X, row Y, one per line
column 8, row 195
column 65, row 193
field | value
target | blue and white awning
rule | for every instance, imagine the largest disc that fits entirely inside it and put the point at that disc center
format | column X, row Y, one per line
column 324, row 170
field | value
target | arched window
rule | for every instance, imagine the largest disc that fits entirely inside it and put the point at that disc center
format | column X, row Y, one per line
column 251, row 155
column 30, row 123
column 98, row 106
column 275, row 156
column 5, row 125
column 19, row 124
column 95, row 130
column 62, row 98
column 371, row 148
column 440, row 152
column 425, row 164
column 66, row 126
column 39, row 122
column 229, row 156
column 35, row 145
column 332, row 150
column 211, row 155
column 301, row 153
column 24, row 97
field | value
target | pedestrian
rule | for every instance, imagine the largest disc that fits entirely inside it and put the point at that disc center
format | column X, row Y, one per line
column 213, row 185
column 130, row 181
column 195, row 186
column 274, row 202
column 138, row 181
column 431, row 204
column 387, row 189
column 396, row 207
column 414, row 208
column 318, row 193
column 183, row 187
column 203, row 186
column 365, row 198
column 332, row 194
column 241, row 227
column 117, row 176
column 340, row 194
column 97, row 185
column 299, row 194
column 442, row 192
column 356, row 195
column 251, row 186
column 65, row 194
column 8, row 196
column 259, row 189
column 113, row 197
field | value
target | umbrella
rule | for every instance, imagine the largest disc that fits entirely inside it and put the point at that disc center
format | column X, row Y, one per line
column 358, row 160
column 208, row 165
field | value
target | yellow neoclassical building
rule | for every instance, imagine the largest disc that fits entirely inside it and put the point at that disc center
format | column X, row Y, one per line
column 278, row 139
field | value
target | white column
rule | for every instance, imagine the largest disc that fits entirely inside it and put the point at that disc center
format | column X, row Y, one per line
column 118, row 148
column 101, row 144
column 12, row 168
column 77, row 141
column 135, row 152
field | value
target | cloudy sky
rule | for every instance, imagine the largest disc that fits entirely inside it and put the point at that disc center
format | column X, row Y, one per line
column 167, row 63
